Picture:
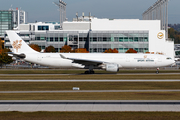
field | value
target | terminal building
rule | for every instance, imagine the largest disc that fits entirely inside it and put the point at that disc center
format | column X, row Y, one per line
column 98, row 35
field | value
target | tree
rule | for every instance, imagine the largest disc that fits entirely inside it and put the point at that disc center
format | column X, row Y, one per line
column 66, row 49
column 4, row 58
column 81, row 50
column 111, row 51
column 1, row 44
column 35, row 47
column 174, row 35
column 131, row 51
column 50, row 49
column 1, row 60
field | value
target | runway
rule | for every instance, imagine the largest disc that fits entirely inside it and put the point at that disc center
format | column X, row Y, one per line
column 171, row 80
column 90, row 105
column 89, row 91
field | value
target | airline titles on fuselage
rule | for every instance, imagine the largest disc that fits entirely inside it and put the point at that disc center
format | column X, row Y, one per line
column 144, row 60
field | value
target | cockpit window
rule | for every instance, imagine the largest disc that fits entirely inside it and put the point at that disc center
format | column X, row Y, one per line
column 169, row 58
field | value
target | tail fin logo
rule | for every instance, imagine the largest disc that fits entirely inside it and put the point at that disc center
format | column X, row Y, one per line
column 17, row 44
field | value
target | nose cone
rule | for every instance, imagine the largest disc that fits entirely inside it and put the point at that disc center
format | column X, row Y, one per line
column 173, row 63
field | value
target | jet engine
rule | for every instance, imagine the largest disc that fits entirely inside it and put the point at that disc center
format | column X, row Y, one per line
column 111, row 67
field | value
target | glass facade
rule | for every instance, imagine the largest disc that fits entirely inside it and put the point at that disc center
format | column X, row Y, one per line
column 6, row 21
column 120, row 40
column 93, row 41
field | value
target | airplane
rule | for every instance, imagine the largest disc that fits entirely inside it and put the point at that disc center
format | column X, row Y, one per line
column 106, row 61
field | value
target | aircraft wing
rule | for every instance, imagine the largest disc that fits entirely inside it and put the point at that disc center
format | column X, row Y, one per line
column 84, row 61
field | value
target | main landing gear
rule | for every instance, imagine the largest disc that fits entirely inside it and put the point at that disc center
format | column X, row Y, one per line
column 89, row 72
column 157, row 72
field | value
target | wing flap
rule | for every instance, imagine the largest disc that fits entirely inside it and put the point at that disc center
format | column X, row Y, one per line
column 84, row 61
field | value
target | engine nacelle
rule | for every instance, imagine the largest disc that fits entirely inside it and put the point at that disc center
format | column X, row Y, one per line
column 112, row 67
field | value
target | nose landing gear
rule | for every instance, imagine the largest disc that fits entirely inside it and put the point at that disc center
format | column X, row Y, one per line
column 157, row 72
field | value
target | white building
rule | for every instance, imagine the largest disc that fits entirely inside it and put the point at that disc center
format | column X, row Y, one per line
column 98, row 35
column 19, row 17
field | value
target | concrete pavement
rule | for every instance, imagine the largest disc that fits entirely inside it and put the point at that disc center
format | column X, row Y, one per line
column 90, row 105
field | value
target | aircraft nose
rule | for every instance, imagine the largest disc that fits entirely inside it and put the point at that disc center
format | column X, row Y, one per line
column 173, row 63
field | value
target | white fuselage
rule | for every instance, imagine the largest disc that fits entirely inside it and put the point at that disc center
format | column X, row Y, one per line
column 122, row 60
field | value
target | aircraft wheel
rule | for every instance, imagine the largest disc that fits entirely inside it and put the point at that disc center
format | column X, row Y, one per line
column 91, row 72
column 86, row 72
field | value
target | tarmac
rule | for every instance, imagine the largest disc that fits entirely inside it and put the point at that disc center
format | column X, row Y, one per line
column 89, row 91
column 90, row 105
column 171, row 80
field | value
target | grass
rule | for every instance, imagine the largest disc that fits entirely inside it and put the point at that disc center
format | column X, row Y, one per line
column 53, row 86
column 77, row 71
column 92, row 96
column 90, row 116
column 91, row 77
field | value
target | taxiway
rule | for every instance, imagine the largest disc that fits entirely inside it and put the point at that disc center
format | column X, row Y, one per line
column 90, row 105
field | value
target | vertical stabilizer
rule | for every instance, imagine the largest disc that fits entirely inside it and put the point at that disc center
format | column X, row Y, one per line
column 18, row 44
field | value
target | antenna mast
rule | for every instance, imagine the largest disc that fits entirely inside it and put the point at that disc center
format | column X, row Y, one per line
column 62, row 9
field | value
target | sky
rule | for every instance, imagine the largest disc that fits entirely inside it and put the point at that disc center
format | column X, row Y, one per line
column 45, row 10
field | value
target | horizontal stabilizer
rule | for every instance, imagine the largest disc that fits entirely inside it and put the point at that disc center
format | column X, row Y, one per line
column 21, row 56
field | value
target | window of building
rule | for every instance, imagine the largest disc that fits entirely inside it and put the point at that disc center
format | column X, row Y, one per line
column 121, row 50
column 56, row 39
column 51, row 39
column 126, row 49
column 146, row 39
column 126, row 39
column 94, row 39
column 100, row 39
column 61, row 39
column 37, row 38
column 26, row 40
column 7, row 41
column 57, row 27
column 116, row 39
column 43, row 38
column 136, row 39
column 130, row 39
column 100, row 50
column 80, row 39
column 141, row 39
column 104, row 39
column 136, row 49
column 146, row 50
column 43, row 27
column 121, row 39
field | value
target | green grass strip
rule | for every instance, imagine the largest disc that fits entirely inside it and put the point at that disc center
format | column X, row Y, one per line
column 90, row 116
column 93, row 96
column 55, row 86
column 90, row 77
